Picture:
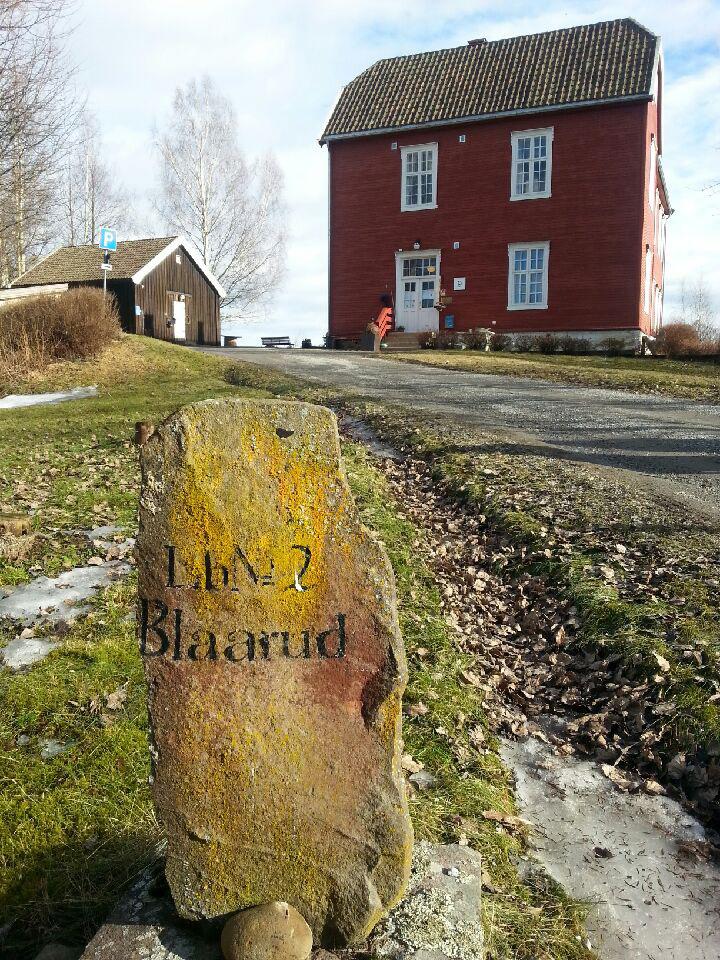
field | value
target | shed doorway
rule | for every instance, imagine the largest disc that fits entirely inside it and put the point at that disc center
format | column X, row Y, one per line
column 178, row 312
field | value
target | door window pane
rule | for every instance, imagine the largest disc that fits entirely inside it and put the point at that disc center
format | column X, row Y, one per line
column 419, row 266
column 428, row 293
column 409, row 295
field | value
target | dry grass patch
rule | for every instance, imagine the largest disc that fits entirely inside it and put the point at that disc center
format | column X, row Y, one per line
column 41, row 330
column 689, row 380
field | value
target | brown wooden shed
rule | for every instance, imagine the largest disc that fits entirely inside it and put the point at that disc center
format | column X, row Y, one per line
column 162, row 286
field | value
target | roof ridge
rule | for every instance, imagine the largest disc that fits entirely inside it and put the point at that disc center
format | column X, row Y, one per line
column 517, row 36
column 82, row 246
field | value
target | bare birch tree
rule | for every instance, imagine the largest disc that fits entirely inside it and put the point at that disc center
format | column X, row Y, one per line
column 38, row 111
column 697, row 308
column 232, row 209
column 90, row 197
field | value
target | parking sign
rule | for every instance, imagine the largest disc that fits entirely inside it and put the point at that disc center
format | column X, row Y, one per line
column 108, row 239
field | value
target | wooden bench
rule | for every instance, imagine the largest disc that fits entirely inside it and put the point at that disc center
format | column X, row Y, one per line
column 276, row 341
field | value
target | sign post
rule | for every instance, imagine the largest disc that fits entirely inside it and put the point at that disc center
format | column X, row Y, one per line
column 108, row 242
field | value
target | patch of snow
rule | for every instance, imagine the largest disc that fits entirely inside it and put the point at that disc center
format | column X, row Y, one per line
column 359, row 431
column 630, row 854
column 23, row 652
column 53, row 748
column 101, row 533
column 48, row 598
column 15, row 400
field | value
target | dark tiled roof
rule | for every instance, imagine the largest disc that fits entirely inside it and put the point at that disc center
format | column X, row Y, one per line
column 602, row 61
column 71, row 264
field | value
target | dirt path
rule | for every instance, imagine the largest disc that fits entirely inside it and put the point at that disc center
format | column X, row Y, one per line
column 609, row 835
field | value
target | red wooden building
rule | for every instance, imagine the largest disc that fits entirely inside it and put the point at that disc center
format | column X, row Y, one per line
column 514, row 184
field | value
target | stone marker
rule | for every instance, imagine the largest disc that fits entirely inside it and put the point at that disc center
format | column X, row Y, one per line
column 269, row 634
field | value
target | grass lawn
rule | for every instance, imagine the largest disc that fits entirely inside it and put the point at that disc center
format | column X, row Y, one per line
column 77, row 827
column 671, row 378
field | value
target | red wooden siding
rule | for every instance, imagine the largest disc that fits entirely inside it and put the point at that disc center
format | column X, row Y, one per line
column 595, row 221
column 202, row 304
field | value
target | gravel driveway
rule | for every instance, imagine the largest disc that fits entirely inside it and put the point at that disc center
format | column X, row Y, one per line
column 675, row 442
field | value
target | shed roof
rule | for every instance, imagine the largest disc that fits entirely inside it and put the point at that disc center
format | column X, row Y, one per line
column 613, row 60
column 78, row 264
column 133, row 260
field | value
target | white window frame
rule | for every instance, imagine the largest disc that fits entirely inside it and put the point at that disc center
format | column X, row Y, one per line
column 659, row 308
column 652, row 176
column 512, row 249
column 515, row 137
column 648, row 277
column 413, row 148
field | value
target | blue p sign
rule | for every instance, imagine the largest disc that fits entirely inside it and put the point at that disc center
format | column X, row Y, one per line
column 108, row 239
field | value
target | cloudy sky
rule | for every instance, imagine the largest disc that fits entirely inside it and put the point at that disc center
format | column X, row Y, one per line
column 282, row 63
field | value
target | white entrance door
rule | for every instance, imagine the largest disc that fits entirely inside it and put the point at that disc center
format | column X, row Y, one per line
column 418, row 289
column 179, row 318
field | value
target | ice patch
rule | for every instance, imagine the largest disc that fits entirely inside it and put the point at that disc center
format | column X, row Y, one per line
column 23, row 652
column 49, row 749
column 15, row 400
column 630, row 854
column 359, row 431
column 49, row 598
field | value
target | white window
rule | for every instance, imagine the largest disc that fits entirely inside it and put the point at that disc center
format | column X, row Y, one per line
column 419, row 177
column 531, row 164
column 659, row 308
column 648, row 278
column 653, row 171
column 528, row 276
column 663, row 239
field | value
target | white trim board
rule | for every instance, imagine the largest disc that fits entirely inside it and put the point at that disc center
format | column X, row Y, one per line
column 194, row 255
column 40, row 289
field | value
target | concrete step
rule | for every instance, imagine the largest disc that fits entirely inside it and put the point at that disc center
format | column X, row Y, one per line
column 401, row 341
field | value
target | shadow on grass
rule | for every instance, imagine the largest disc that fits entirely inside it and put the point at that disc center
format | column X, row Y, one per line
column 65, row 891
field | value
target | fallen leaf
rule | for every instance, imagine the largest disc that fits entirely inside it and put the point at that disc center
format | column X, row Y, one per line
column 416, row 709
column 616, row 776
column 116, row 699
column 662, row 662
column 506, row 819
column 410, row 764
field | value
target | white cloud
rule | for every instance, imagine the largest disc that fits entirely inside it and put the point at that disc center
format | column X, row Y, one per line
column 282, row 64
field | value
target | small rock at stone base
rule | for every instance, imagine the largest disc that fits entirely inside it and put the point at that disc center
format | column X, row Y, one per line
column 273, row 931
column 439, row 919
